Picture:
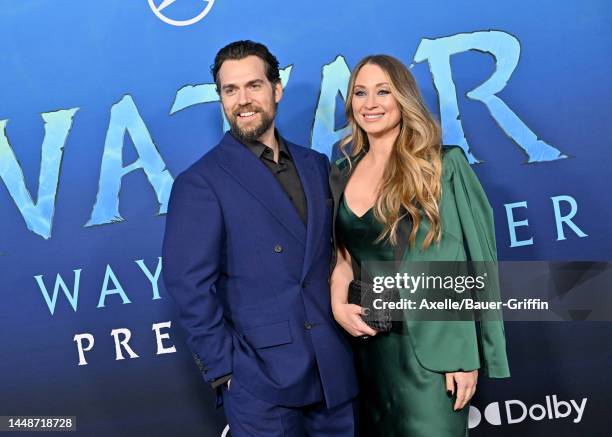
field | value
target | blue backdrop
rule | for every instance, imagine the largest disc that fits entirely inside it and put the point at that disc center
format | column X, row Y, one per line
column 104, row 103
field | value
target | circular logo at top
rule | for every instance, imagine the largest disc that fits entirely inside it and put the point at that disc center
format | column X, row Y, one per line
column 157, row 10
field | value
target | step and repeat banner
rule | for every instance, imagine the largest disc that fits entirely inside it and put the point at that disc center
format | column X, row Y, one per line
column 104, row 103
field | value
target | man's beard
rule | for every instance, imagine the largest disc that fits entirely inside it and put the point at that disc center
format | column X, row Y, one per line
column 253, row 133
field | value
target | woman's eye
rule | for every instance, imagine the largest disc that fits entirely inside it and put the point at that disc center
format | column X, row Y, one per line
column 383, row 92
column 360, row 93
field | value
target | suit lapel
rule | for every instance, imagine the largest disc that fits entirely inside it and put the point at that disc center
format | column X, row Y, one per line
column 315, row 200
column 241, row 164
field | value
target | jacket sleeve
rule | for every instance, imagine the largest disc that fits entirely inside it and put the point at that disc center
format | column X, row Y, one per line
column 192, row 251
column 476, row 216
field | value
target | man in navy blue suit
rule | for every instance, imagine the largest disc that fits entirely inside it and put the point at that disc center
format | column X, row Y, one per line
column 246, row 257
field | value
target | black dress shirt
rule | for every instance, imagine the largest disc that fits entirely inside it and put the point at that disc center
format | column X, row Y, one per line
column 284, row 171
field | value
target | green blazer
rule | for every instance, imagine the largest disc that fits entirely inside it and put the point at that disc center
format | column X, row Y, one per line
column 467, row 227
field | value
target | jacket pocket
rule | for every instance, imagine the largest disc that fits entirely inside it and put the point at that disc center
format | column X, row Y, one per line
column 275, row 334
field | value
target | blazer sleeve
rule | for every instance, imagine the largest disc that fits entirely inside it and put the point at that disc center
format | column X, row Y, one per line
column 476, row 217
column 192, row 250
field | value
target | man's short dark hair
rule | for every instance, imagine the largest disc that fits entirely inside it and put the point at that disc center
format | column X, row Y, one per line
column 241, row 49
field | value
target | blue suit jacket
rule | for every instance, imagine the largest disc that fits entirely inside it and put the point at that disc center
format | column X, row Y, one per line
column 251, row 280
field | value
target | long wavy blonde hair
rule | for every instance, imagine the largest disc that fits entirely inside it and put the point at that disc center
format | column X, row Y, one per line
column 412, row 176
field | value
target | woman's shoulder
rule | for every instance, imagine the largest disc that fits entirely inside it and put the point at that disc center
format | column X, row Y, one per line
column 341, row 162
column 452, row 154
column 453, row 159
column 337, row 166
column 346, row 161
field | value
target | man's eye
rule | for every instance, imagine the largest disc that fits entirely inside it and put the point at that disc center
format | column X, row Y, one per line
column 256, row 86
column 229, row 91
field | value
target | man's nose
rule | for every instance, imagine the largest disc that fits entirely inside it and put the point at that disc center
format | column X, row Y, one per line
column 244, row 97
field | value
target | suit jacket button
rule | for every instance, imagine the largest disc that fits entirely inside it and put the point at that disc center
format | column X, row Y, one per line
column 278, row 248
column 308, row 325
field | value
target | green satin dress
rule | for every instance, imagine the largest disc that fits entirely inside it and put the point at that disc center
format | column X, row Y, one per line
column 399, row 396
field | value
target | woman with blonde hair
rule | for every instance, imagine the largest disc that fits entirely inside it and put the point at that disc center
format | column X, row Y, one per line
column 400, row 196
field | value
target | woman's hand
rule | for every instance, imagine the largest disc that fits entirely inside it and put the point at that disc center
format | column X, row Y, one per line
column 348, row 316
column 465, row 383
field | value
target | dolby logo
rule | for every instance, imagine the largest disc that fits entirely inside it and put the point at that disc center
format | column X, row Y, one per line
column 515, row 411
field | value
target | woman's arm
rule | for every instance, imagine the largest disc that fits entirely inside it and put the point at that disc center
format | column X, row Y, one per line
column 476, row 218
column 346, row 314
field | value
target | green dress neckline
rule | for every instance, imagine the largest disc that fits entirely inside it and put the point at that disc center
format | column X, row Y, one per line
column 350, row 210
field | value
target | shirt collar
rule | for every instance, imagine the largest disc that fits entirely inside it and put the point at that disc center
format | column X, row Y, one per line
column 258, row 148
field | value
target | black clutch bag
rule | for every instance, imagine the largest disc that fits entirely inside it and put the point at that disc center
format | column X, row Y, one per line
column 362, row 294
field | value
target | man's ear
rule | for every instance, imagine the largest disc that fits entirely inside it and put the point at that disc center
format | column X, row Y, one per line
column 278, row 91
